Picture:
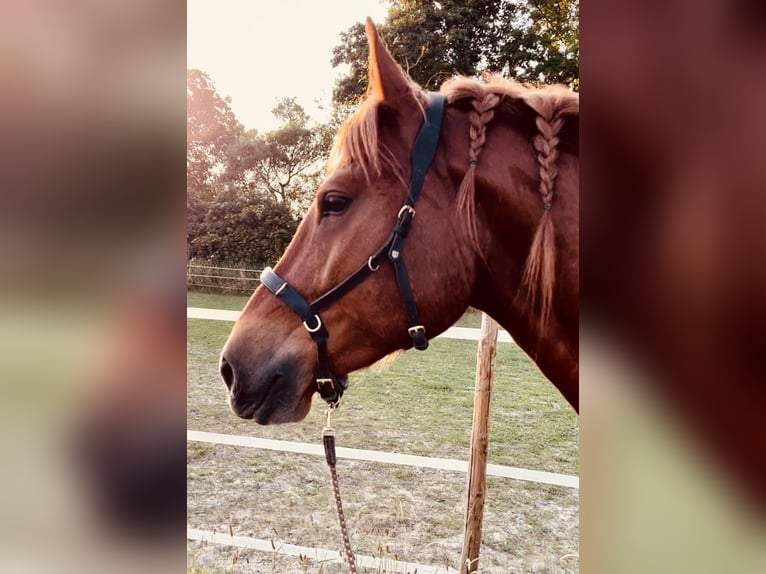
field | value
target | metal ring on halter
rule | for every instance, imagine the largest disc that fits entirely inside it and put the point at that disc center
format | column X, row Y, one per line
column 406, row 208
column 315, row 329
column 369, row 264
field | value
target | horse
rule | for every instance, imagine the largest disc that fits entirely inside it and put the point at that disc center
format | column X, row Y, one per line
column 493, row 166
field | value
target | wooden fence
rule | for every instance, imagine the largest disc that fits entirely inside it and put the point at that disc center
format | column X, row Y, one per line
column 219, row 279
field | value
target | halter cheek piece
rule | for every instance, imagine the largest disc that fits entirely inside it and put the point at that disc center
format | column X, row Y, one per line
column 329, row 387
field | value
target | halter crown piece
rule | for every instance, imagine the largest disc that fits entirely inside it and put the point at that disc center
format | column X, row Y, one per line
column 330, row 387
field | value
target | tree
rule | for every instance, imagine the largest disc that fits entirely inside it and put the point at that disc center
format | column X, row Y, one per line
column 279, row 162
column 240, row 230
column 227, row 222
column 544, row 42
column 528, row 40
column 211, row 127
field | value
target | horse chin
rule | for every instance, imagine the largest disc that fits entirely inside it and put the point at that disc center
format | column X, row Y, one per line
column 283, row 415
column 283, row 396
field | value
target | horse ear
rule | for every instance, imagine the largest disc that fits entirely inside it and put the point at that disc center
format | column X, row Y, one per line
column 388, row 82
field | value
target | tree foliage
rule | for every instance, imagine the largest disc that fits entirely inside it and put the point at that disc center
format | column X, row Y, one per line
column 211, row 127
column 232, row 228
column 527, row 40
column 232, row 216
column 544, row 42
column 279, row 162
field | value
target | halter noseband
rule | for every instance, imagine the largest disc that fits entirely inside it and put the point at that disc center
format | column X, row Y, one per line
column 329, row 387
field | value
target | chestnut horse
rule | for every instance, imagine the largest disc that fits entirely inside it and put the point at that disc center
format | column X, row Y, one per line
column 495, row 165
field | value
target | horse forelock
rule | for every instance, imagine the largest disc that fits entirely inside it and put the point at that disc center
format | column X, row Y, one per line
column 547, row 107
column 358, row 140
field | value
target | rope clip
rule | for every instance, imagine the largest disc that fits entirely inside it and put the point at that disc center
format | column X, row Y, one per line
column 328, row 430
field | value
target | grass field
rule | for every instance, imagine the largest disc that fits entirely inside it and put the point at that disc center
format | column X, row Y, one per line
column 419, row 403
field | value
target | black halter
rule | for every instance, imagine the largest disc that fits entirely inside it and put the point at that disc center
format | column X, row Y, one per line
column 329, row 387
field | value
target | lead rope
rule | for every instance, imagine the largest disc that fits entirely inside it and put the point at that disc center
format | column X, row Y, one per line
column 328, row 439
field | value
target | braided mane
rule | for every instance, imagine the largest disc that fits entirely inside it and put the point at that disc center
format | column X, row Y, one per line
column 550, row 106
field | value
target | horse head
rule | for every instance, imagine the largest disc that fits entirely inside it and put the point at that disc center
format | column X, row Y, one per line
column 337, row 300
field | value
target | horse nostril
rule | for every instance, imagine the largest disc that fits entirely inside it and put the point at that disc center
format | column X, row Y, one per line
column 227, row 373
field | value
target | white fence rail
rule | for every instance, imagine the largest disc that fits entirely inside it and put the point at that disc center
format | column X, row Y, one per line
column 316, row 554
column 464, row 333
column 538, row 476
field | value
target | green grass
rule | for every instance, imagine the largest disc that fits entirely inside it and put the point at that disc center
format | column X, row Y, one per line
column 213, row 301
column 471, row 318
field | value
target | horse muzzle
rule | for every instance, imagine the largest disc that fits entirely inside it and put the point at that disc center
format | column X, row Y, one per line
column 276, row 392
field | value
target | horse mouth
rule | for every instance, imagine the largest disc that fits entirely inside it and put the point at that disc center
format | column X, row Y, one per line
column 242, row 411
column 277, row 400
column 246, row 405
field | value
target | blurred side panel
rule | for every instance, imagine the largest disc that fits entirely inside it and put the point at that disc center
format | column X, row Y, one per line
column 92, row 291
column 673, row 183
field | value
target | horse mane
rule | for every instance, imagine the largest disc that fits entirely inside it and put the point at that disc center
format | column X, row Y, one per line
column 542, row 112
column 548, row 115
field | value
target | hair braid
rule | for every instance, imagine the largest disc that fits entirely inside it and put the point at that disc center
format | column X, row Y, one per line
column 551, row 106
column 546, row 143
column 540, row 269
column 482, row 113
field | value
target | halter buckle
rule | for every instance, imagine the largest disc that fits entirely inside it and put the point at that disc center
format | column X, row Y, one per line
column 418, row 335
column 405, row 208
column 315, row 329
column 416, row 329
column 326, row 382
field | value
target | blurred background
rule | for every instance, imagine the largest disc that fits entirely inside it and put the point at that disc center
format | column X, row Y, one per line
column 92, row 229
column 673, row 446
column 92, row 354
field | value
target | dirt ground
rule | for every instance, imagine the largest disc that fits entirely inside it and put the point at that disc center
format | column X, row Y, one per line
column 402, row 513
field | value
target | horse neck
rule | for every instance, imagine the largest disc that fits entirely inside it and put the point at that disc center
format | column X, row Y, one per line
column 508, row 209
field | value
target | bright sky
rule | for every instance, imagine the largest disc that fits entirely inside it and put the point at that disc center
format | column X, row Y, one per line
column 258, row 51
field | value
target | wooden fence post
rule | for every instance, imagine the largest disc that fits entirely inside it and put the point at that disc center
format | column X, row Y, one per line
column 477, row 468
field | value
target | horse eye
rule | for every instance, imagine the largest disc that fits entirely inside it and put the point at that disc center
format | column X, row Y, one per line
column 334, row 204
